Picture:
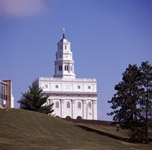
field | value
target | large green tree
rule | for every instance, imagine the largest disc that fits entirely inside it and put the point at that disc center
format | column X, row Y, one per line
column 146, row 103
column 35, row 100
column 125, row 103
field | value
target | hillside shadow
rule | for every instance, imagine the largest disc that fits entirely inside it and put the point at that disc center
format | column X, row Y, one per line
column 102, row 133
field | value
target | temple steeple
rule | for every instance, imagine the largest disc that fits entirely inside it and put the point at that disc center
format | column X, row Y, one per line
column 64, row 64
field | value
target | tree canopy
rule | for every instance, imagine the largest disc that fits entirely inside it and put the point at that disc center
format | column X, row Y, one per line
column 35, row 100
column 132, row 102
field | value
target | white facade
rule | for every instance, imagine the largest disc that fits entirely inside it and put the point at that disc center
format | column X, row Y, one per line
column 12, row 101
column 72, row 97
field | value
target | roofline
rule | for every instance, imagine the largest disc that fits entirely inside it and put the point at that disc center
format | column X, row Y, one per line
column 65, row 79
column 73, row 93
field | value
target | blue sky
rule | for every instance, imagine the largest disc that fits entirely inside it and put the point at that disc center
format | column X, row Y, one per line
column 106, row 36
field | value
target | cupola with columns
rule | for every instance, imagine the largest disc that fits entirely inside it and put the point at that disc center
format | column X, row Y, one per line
column 64, row 64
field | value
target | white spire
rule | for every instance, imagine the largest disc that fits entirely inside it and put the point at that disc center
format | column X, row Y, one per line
column 64, row 64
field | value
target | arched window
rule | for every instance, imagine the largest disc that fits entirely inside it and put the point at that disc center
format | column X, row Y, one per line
column 89, row 105
column 57, row 104
column 68, row 104
column 65, row 47
column 48, row 102
column 79, row 104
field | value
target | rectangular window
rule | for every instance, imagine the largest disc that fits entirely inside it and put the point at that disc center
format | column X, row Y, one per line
column 56, row 86
column 66, row 68
column 60, row 68
column 79, row 86
column 46, row 86
column 89, row 87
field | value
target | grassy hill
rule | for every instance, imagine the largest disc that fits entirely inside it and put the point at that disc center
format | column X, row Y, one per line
column 27, row 130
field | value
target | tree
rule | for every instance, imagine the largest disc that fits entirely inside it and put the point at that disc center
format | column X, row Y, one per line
column 125, row 103
column 35, row 100
column 146, row 103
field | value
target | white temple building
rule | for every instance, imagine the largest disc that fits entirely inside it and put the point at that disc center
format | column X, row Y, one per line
column 74, row 98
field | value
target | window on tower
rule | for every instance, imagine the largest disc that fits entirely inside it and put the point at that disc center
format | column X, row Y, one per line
column 66, row 68
column 60, row 68
column 65, row 47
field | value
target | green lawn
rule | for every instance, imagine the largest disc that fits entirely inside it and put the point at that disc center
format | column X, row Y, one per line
column 27, row 130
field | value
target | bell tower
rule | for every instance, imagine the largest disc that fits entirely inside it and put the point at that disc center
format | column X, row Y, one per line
column 64, row 64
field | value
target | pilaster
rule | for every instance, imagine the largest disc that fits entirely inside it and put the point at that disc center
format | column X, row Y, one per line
column 84, row 108
column 94, row 110
column 62, row 108
column 73, row 109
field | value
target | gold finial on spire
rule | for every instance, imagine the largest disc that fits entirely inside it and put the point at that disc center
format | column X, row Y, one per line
column 63, row 33
column 63, row 30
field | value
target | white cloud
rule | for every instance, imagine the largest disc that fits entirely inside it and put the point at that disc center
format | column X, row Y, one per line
column 22, row 8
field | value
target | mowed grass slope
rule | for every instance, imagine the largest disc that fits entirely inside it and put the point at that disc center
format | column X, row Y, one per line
column 27, row 130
